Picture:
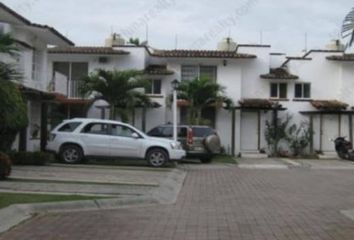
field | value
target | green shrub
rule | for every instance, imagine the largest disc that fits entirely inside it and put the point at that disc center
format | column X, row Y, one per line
column 5, row 166
column 30, row 158
column 13, row 114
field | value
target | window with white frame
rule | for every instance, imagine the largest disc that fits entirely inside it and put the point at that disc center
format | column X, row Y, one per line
column 302, row 90
column 35, row 65
column 154, row 87
column 2, row 28
column 278, row 90
column 73, row 71
column 190, row 72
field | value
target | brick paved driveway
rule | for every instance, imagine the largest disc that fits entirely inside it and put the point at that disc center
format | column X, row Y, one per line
column 221, row 203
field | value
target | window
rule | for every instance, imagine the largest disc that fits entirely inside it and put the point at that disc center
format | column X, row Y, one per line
column 78, row 70
column 278, row 90
column 155, row 87
column 96, row 128
column 167, row 132
column 202, row 131
column 35, row 65
column 208, row 72
column 122, row 131
column 190, row 72
column 156, row 132
column 69, row 127
column 2, row 28
column 302, row 90
column 73, row 72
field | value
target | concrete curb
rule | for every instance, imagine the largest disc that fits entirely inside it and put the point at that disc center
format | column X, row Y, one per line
column 166, row 193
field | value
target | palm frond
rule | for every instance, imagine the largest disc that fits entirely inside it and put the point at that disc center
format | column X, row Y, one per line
column 348, row 27
column 7, row 44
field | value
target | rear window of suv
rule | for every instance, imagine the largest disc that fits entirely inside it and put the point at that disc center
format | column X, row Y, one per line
column 69, row 127
column 202, row 131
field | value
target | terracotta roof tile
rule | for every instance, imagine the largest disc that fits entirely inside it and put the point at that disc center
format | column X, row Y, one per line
column 279, row 73
column 62, row 99
column 200, row 54
column 345, row 57
column 87, row 50
column 329, row 105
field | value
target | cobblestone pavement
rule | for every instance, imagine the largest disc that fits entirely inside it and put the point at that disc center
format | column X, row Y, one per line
column 220, row 203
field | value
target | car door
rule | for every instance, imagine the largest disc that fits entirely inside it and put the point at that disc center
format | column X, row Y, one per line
column 123, row 143
column 95, row 137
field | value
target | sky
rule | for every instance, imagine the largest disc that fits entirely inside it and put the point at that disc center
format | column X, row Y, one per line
column 198, row 24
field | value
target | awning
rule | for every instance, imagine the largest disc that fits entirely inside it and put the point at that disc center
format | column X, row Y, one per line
column 329, row 105
column 62, row 99
column 259, row 104
column 158, row 70
column 35, row 94
column 279, row 73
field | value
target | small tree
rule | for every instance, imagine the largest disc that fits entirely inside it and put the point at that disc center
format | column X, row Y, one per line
column 299, row 138
column 275, row 134
column 348, row 28
column 200, row 94
column 119, row 89
column 13, row 112
column 135, row 41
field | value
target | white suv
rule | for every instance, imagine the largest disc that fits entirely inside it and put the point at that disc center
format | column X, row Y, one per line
column 76, row 139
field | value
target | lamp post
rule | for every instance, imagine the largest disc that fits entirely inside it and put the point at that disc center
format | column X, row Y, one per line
column 175, row 84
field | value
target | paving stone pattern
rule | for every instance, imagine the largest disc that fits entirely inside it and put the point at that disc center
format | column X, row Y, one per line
column 220, row 203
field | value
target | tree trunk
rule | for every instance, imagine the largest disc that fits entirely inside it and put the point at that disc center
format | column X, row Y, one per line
column 198, row 115
column 112, row 112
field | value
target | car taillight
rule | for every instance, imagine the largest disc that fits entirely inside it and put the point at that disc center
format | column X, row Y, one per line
column 189, row 136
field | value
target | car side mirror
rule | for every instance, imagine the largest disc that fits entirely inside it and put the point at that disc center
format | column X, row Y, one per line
column 135, row 135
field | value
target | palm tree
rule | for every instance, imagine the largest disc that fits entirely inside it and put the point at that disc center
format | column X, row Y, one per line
column 7, row 46
column 118, row 88
column 13, row 113
column 348, row 27
column 200, row 94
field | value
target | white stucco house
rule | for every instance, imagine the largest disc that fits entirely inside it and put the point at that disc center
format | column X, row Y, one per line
column 316, row 86
column 32, row 41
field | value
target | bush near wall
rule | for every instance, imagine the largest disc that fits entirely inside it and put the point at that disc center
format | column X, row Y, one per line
column 5, row 166
column 30, row 158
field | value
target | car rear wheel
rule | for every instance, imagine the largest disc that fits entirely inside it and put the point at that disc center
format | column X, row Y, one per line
column 71, row 154
column 157, row 157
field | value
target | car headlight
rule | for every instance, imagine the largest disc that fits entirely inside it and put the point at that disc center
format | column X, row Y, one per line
column 176, row 145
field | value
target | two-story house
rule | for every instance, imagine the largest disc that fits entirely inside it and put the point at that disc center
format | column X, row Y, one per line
column 32, row 41
column 315, row 87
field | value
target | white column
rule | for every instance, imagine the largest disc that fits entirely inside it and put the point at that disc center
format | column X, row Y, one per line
column 174, row 115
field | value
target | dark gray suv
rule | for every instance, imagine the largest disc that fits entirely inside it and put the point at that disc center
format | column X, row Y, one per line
column 200, row 142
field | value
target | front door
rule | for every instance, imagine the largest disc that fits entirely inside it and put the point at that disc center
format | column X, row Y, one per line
column 330, row 129
column 249, row 131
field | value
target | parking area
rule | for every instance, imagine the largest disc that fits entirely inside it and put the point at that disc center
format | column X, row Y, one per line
column 221, row 202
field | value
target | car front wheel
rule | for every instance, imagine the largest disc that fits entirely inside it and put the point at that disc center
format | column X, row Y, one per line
column 157, row 157
column 71, row 154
